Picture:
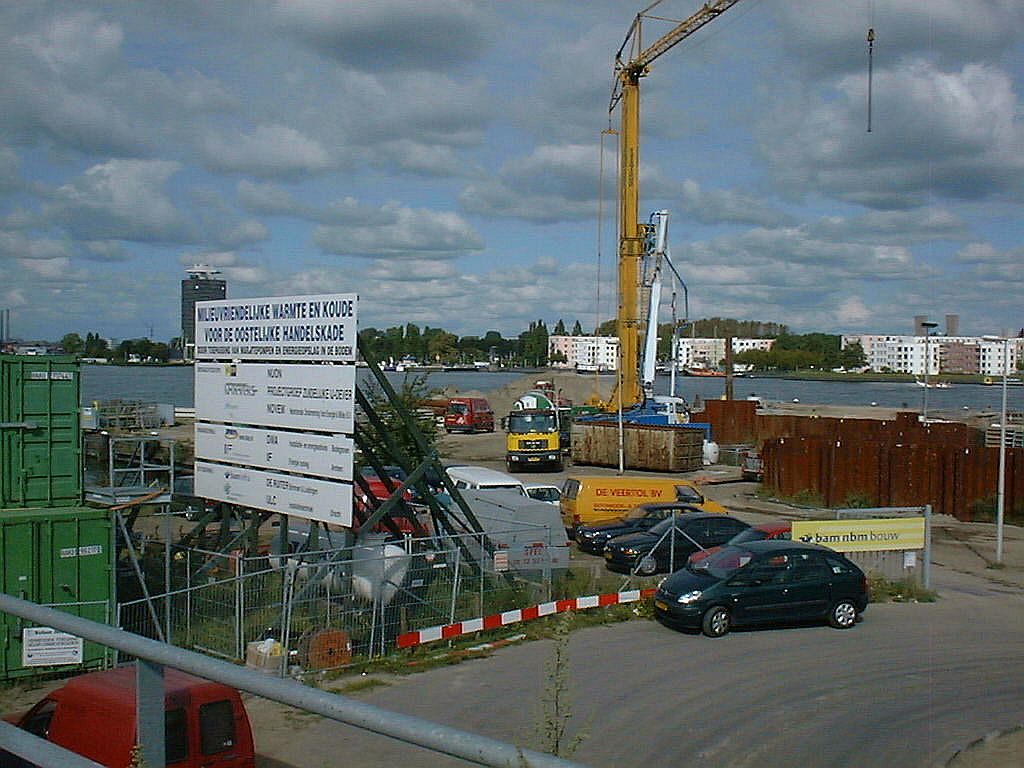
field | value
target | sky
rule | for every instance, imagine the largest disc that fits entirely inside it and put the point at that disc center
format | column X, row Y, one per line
column 445, row 160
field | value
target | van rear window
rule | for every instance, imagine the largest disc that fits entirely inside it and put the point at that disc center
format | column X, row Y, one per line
column 216, row 726
column 175, row 735
column 571, row 489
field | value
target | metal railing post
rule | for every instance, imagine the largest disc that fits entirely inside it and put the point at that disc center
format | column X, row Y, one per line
column 926, row 566
column 149, row 711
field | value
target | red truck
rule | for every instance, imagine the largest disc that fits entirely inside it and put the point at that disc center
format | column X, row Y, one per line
column 94, row 715
column 468, row 414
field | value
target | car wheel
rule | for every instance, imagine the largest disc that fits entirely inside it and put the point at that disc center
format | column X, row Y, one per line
column 716, row 621
column 843, row 615
column 646, row 566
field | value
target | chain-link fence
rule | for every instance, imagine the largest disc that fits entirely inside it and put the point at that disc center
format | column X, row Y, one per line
column 330, row 607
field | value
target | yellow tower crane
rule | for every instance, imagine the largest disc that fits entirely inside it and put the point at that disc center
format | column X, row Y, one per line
column 628, row 72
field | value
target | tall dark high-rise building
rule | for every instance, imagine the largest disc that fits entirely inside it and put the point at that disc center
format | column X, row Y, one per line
column 202, row 284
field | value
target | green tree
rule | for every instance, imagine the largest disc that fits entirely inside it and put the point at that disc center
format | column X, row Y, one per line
column 533, row 344
column 413, row 392
column 95, row 346
column 441, row 345
column 577, row 329
column 72, row 343
column 852, row 356
column 559, row 328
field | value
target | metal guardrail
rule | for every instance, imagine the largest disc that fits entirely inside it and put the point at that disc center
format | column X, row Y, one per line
column 38, row 751
column 472, row 747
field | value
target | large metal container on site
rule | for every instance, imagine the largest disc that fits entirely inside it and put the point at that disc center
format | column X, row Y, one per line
column 40, row 433
column 61, row 557
column 646, row 446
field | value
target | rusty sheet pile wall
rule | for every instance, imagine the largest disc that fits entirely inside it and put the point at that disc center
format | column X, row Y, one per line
column 892, row 462
column 955, row 481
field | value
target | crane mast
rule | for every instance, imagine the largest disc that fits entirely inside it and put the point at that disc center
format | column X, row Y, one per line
column 631, row 233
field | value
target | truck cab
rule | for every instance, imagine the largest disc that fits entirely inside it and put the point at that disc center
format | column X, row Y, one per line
column 533, row 439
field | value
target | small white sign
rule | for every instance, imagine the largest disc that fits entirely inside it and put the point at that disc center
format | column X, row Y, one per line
column 317, row 397
column 307, row 497
column 299, row 328
column 45, row 647
column 500, row 561
column 92, row 549
column 306, row 453
column 909, row 559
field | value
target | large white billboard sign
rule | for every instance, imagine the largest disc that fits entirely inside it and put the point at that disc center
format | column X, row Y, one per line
column 316, row 397
column 307, row 497
column 321, row 327
column 308, row 453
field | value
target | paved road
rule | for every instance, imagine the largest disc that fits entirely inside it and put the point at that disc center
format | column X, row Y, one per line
column 907, row 687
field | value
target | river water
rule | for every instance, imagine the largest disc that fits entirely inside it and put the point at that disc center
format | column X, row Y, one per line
column 173, row 384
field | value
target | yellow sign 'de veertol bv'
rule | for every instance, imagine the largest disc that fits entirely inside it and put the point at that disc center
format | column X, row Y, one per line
column 862, row 535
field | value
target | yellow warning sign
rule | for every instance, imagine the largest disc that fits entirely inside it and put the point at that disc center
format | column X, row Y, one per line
column 862, row 535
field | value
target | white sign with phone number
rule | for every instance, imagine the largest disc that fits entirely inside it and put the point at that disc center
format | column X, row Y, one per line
column 46, row 647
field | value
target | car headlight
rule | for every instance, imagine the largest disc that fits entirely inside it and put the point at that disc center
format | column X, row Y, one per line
column 689, row 597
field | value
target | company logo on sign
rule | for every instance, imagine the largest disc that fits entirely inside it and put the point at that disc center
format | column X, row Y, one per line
column 863, row 535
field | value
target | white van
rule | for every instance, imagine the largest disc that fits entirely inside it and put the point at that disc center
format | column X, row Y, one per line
column 482, row 478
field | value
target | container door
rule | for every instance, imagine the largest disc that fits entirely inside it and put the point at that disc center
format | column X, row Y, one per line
column 17, row 577
column 75, row 569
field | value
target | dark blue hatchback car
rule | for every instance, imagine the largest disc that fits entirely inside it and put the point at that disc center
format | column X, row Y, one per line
column 761, row 582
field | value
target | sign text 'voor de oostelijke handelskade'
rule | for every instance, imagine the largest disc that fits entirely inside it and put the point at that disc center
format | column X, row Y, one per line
column 297, row 396
column 319, row 327
column 307, row 453
column 309, row 497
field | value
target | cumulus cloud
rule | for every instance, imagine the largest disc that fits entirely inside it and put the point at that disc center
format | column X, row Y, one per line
column 106, row 250
column 403, row 233
column 376, row 35
column 720, row 206
column 554, row 183
column 951, row 133
column 121, row 200
column 267, row 150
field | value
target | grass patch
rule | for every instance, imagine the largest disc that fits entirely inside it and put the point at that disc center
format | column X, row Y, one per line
column 363, row 684
column 883, row 590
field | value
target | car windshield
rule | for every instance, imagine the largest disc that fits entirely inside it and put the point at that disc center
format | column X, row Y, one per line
column 544, row 493
column 664, row 526
column 457, row 408
column 531, row 422
column 638, row 513
column 723, row 563
column 750, row 534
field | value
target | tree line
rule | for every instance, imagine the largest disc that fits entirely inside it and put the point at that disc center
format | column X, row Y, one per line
column 429, row 345
column 94, row 346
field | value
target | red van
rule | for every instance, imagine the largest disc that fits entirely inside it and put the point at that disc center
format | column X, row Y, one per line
column 94, row 715
column 468, row 414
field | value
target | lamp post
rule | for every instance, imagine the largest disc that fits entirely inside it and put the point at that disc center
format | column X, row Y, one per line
column 927, row 365
column 1001, row 482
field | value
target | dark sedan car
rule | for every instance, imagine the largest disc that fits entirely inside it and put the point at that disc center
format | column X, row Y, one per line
column 761, row 582
column 592, row 538
column 658, row 550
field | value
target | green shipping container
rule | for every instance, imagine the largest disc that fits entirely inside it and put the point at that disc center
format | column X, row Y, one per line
column 63, row 558
column 40, row 432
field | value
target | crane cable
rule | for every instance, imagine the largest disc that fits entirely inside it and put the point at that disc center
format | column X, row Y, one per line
column 871, row 56
column 609, row 131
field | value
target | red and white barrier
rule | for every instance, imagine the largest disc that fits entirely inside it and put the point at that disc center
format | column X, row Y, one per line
column 448, row 631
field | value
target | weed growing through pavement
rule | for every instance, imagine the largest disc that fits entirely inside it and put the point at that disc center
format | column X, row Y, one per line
column 556, row 700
